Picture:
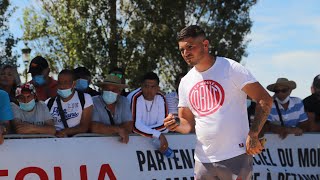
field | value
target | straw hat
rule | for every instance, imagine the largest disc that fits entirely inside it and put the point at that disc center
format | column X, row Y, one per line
column 282, row 82
column 111, row 79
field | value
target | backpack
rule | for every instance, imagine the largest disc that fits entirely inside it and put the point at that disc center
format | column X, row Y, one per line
column 80, row 95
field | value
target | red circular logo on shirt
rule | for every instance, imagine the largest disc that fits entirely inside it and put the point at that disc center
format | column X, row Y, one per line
column 206, row 97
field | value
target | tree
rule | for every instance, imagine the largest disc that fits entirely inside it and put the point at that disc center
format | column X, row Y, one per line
column 137, row 35
column 7, row 41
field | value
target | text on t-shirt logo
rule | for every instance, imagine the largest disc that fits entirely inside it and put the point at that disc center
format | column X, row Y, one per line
column 206, row 97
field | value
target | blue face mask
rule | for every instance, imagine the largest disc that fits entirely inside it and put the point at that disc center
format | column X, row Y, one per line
column 39, row 79
column 82, row 84
column 109, row 97
column 27, row 106
column 64, row 93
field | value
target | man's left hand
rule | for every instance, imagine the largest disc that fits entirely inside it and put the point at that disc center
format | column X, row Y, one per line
column 253, row 145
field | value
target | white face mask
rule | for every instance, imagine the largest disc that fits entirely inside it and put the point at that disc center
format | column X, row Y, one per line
column 284, row 101
column 109, row 97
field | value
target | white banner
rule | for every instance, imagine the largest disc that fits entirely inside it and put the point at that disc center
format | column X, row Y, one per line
column 295, row 157
column 95, row 158
column 98, row 158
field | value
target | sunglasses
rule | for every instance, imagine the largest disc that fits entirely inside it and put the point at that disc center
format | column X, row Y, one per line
column 116, row 74
column 281, row 90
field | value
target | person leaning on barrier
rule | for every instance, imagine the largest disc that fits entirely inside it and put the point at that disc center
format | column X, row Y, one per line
column 111, row 111
column 45, row 85
column 287, row 114
column 149, row 108
column 71, row 110
column 31, row 116
column 6, row 114
column 83, row 80
column 312, row 105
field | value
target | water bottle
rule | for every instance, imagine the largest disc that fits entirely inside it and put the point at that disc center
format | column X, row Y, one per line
column 168, row 152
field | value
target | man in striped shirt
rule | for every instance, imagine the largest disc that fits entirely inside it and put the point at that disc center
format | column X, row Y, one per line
column 287, row 114
column 149, row 109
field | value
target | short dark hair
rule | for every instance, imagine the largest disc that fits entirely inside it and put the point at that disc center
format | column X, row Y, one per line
column 192, row 31
column 67, row 72
column 81, row 72
column 37, row 65
column 316, row 82
column 150, row 76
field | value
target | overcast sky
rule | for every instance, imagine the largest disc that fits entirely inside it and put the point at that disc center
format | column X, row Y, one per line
column 285, row 41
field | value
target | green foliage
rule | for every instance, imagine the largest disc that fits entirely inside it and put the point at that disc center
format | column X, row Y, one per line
column 137, row 35
column 7, row 41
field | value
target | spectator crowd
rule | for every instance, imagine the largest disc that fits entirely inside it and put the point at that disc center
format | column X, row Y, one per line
column 69, row 105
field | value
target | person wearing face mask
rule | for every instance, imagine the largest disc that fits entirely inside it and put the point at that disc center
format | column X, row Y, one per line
column 46, row 86
column 111, row 111
column 31, row 116
column 71, row 110
column 312, row 105
column 287, row 114
column 83, row 80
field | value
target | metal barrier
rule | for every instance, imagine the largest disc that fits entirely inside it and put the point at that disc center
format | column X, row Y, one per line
column 28, row 136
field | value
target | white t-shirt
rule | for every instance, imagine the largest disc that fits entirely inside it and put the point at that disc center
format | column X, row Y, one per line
column 72, row 110
column 148, row 116
column 219, row 106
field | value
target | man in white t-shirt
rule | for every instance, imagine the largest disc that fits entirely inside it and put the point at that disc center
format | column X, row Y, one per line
column 31, row 116
column 74, row 114
column 149, row 108
column 212, row 99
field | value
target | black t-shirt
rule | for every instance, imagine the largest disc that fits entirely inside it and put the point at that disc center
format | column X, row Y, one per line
column 312, row 104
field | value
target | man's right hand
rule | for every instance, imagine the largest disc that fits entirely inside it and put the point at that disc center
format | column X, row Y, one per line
column 124, row 136
column 296, row 131
column 163, row 143
column 283, row 133
column 170, row 123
